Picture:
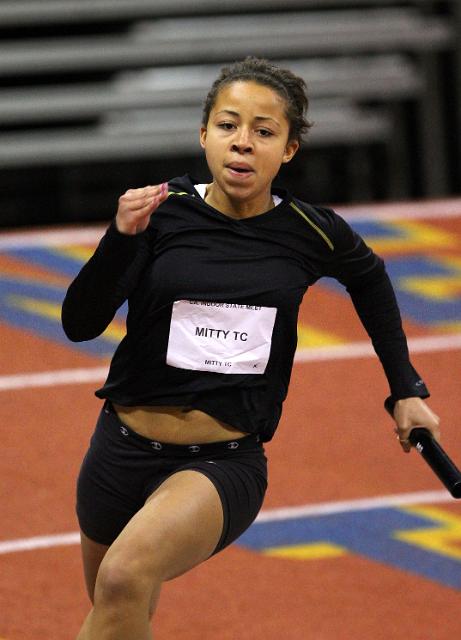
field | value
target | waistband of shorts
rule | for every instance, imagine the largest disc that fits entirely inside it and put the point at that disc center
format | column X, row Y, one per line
column 123, row 431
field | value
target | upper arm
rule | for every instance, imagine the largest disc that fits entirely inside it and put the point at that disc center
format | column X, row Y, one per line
column 352, row 262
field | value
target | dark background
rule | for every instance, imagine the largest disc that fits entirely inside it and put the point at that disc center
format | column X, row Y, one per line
column 386, row 109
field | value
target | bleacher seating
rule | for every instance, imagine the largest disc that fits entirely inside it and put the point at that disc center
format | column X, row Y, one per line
column 384, row 77
column 37, row 12
column 220, row 38
column 127, row 81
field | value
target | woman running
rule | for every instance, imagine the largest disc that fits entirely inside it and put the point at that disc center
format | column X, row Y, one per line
column 214, row 275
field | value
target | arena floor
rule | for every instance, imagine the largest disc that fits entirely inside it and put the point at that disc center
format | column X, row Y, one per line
column 356, row 540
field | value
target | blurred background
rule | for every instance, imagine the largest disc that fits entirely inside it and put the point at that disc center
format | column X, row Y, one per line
column 98, row 96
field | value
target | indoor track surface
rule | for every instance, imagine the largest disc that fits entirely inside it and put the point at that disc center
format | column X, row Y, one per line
column 356, row 540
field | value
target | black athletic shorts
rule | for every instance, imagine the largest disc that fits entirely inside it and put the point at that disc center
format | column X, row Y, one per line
column 122, row 469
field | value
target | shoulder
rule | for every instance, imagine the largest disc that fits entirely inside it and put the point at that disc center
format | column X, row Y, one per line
column 326, row 217
column 323, row 221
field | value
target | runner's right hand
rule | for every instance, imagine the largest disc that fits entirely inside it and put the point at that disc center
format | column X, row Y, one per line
column 136, row 206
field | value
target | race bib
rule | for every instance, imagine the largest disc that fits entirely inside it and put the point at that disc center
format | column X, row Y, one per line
column 220, row 337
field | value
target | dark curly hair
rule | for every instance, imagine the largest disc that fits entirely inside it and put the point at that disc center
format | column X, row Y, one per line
column 289, row 86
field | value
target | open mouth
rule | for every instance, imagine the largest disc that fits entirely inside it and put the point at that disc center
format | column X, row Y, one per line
column 240, row 170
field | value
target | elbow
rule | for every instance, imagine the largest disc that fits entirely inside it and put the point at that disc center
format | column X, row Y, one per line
column 80, row 328
column 78, row 333
column 73, row 335
column 70, row 320
column 73, row 331
column 73, row 327
column 69, row 326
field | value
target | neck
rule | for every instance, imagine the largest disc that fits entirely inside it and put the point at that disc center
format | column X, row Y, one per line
column 235, row 208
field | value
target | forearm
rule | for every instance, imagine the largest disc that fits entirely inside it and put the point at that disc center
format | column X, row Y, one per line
column 102, row 285
column 378, row 311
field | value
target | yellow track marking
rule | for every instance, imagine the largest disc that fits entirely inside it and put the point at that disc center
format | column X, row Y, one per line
column 315, row 551
column 444, row 539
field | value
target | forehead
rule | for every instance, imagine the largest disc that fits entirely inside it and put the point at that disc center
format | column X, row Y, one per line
column 250, row 96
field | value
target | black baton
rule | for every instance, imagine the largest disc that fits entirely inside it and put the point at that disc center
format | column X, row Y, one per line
column 435, row 456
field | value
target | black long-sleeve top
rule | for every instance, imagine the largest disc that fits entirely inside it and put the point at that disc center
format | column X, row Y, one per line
column 193, row 264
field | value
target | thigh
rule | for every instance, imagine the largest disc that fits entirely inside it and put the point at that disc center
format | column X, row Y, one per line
column 178, row 527
column 92, row 555
column 241, row 481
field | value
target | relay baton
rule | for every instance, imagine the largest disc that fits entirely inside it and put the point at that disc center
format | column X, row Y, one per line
column 435, row 456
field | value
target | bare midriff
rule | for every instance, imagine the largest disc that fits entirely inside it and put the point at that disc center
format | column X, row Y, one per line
column 176, row 425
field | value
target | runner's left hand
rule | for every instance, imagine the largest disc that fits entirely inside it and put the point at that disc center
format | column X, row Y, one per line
column 414, row 412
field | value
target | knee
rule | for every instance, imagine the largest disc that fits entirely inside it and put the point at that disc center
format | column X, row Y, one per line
column 123, row 582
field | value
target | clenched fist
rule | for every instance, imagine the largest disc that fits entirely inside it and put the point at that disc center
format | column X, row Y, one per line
column 136, row 206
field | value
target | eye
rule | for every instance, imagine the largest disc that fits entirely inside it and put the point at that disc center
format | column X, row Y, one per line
column 227, row 126
column 265, row 133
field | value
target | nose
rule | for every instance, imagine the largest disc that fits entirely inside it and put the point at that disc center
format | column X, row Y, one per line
column 242, row 142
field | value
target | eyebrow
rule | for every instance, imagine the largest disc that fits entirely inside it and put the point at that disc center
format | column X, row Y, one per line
column 235, row 113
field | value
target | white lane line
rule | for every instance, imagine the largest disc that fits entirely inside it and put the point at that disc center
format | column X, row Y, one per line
column 423, row 344
column 348, row 506
column 39, row 542
column 52, row 378
column 434, row 209
column 269, row 515
column 349, row 351
column 50, row 237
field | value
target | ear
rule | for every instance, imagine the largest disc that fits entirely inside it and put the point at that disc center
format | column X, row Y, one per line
column 203, row 137
column 290, row 150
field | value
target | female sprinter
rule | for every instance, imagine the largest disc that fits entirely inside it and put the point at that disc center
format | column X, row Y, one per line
column 214, row 275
